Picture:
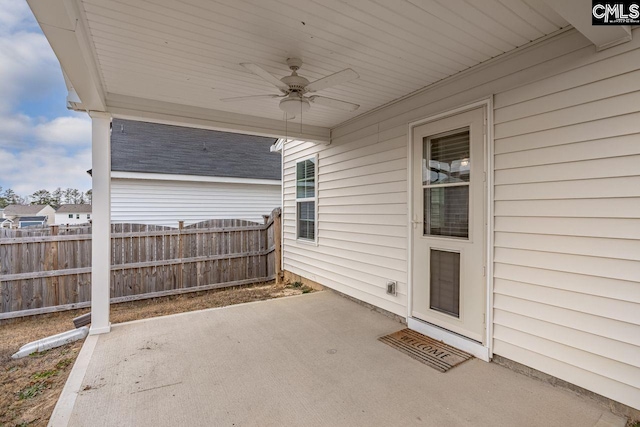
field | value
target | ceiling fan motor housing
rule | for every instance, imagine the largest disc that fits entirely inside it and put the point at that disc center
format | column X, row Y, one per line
column 295, row 82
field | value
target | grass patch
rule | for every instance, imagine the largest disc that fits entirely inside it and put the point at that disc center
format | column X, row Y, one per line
column 300, row 287
column 32, row 391
column 44, row 374
column 64, row 363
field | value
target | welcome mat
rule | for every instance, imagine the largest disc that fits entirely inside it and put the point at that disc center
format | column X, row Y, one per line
column 434, row 353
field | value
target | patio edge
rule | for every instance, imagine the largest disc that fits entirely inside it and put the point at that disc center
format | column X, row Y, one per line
column 64, row 407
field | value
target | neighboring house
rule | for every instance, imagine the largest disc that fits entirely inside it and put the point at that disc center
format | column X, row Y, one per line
column 487, row 190
column 73, row 214
column 6, row 223
column 30, row 221
column 163, row 174
column 14, row 211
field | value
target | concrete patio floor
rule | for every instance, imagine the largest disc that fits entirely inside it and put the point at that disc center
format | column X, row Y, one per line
column 311, row 360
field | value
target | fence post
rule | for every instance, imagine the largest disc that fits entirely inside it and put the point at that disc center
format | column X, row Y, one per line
column 180, row 253
column 277, row 241
column 52, row 264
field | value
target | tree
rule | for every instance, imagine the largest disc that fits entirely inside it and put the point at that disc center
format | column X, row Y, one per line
column 75, row 197
column 67, row 195
column 56, row 198
column 88, row 195
column 11, row 198
column 41, row 197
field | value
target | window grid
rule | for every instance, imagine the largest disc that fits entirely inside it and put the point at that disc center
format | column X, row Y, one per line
column 306, row 213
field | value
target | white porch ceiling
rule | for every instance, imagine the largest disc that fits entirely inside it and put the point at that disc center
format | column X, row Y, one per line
column 188, row 52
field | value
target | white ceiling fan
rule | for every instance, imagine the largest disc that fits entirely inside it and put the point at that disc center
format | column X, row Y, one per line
column 293, row 89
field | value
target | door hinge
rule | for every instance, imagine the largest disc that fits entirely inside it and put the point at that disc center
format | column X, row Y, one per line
column 484, row 271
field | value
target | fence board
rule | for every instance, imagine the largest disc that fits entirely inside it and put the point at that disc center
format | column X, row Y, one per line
column 43, row 269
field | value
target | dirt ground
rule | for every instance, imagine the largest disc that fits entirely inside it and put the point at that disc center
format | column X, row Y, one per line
column 30, row 387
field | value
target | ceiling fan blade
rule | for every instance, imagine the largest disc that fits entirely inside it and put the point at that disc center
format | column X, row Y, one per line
column 334, row 103
column 332, row 80
column 249, row 98
column 259, row 71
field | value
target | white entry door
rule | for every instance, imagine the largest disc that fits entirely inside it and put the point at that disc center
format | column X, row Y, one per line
column 449, row 180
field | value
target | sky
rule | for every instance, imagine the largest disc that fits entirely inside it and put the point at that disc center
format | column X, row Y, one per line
column 42, row 144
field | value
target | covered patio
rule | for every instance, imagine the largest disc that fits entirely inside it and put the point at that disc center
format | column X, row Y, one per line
column 542, row 252
column 307, row 361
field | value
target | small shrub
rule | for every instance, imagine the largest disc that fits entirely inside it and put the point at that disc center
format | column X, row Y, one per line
column 297, row 284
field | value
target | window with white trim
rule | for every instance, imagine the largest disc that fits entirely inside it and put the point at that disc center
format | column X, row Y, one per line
column 306, row 199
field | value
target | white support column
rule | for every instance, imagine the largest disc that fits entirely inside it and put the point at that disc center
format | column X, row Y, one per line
column 101, row 221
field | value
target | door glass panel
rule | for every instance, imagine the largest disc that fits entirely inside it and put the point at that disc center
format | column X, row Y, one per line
column 445, row 282
column 446, row 158
column 446, row 211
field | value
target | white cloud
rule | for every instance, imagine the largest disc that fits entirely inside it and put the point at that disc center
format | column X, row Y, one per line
column 28, row 69
column 14, row 14
column 57, row 169
column 36, row 151
column 50, row 154
column 68, row 131
column 13, row 128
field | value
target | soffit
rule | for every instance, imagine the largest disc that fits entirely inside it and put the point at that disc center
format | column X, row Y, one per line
column 188, row 52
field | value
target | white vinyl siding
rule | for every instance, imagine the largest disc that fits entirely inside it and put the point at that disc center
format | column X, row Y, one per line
column 361, row 219
column 567, row 227
column 566, row 207
column 167, row 202
column 72, row 219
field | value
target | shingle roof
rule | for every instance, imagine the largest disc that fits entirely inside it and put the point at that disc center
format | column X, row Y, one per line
column 157, row 148
column 32, row 218
column 11, row 210
column 84, row 208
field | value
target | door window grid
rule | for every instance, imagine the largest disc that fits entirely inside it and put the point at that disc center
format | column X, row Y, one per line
column 446, row 173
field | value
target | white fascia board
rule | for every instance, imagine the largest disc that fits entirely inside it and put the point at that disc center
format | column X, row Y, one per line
column 192, row 178
column 148, row 110
column 578, row 14
column 65, row 32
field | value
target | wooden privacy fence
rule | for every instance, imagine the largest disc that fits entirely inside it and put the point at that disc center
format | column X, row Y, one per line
column 46, row 270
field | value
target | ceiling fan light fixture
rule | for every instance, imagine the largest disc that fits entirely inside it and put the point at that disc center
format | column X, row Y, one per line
column 293, row 105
